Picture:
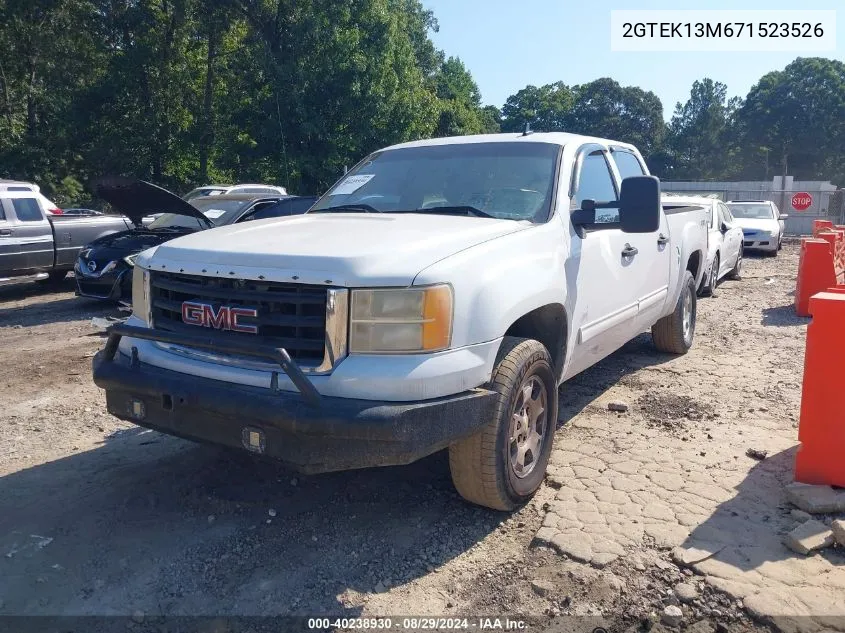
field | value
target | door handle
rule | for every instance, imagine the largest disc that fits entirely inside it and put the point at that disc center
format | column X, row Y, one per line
column 629, row 251
column 5, row 232
column 662, row 240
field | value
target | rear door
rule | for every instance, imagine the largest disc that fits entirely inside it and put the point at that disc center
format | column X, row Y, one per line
column 33, row 233
column 10, row 252
column 651, row 264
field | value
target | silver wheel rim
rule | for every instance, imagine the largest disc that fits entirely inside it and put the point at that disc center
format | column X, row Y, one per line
column 714, row 274
column 687, row 314
column 529, row 426
column 739, row 263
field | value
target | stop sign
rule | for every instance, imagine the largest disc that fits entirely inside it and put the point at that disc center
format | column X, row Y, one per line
column 801, row 201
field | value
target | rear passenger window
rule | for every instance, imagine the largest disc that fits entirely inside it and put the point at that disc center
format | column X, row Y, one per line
column 27, row 209
column 627, row 164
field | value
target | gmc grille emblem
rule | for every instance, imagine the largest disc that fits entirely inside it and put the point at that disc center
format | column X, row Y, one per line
column 224, row 318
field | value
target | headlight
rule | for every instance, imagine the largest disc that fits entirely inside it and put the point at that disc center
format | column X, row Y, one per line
column 130, row 259
column 141, row 294
column 401, row 321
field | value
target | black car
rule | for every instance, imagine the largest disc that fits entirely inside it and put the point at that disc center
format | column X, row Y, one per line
column 104, row 268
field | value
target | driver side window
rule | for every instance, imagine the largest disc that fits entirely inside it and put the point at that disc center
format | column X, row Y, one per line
column 595, row 182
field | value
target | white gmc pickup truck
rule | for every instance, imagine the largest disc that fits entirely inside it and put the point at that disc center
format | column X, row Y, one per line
column 434, row 298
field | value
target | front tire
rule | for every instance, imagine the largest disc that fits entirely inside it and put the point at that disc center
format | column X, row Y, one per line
column 674, row 333
column 502, row 465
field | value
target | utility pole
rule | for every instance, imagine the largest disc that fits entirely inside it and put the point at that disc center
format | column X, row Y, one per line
column 783, row 183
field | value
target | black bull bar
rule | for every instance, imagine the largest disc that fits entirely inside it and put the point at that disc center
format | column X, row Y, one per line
column 274, row 354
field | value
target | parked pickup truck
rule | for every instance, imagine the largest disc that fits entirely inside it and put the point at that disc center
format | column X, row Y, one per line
column 39, row 246
column 434, row 298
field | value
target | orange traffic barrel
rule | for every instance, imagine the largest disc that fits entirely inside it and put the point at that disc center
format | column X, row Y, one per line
column 815, row 272
column 821, row 429
column 819, row 225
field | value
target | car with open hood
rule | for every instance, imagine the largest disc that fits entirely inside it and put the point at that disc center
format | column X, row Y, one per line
column 103, row 269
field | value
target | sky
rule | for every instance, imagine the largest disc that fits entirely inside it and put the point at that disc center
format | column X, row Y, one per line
column 509, row 44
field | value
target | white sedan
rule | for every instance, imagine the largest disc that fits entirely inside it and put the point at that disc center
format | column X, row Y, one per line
column 762, row 224
column 725, row 243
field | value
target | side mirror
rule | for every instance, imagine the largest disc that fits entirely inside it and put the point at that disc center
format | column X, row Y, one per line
column 725, row 227
column 639, row 204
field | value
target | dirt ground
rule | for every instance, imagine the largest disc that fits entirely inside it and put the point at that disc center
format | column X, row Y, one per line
column 98, row 517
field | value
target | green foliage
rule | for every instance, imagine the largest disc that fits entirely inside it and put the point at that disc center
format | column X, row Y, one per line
column 187, row 92
column 702, row 134
column 184, row 92
column 798, row 114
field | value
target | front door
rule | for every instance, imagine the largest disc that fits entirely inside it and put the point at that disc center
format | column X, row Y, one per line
column 602, row 270
column 731, row 240
column 33, row 233
column 653, row 261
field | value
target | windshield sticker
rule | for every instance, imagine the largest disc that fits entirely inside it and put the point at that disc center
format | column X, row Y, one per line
column 213, row 214
column 352, row 184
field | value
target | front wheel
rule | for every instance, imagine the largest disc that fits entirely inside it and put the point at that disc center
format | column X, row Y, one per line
column 674, row 333
column 502, row 465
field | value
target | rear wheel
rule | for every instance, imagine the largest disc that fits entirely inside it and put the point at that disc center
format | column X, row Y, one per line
column 712, row 278
column 674, row 333
column 502, row 465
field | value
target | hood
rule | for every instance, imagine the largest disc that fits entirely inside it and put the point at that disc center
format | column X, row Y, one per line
column 138, row 198
column 119, row 245
column 332, row 248
column 757, row 224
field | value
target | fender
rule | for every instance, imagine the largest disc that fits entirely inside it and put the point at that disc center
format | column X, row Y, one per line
column 502, row 279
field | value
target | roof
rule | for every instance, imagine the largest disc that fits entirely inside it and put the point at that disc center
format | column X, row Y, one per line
column 254, row 184
column 554, row 138
column 241, row 197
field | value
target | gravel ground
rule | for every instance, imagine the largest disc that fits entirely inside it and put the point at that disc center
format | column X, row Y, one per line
column 103, row 518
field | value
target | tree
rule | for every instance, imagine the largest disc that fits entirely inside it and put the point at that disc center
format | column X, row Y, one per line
column 701, row 139
column 604, row 108
column 460, row 100
column 799, row 114
column 546, row 108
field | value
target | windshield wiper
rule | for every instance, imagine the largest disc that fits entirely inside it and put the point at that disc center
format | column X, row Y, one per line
column 457, row 210
column 363, row 208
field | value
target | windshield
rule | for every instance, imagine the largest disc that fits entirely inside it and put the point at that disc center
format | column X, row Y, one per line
column 204, row 191
column 511, row 181
column 752, row 211
column 217, row 212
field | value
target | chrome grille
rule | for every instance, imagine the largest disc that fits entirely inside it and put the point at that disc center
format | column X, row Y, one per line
column 292, row 316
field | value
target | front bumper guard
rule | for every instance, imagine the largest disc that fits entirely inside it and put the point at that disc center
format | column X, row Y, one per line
column 278, row 355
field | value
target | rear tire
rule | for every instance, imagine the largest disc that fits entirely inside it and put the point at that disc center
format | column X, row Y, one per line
column 674, row 333
column 502, row 465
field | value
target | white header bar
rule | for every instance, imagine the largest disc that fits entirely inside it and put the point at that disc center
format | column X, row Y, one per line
column 745, row 31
